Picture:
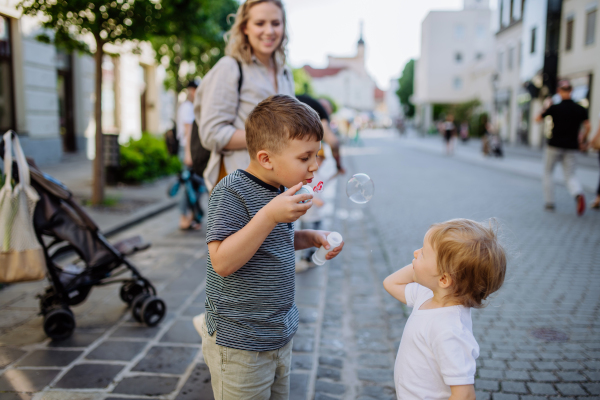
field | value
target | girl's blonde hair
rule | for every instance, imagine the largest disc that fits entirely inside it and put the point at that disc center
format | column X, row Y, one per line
column 238, row 46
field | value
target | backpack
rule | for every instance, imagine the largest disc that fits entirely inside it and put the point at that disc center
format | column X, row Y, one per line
column 172, row 141
column 200, row 155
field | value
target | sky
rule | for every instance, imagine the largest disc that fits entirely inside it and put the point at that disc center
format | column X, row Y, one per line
column 392, row 31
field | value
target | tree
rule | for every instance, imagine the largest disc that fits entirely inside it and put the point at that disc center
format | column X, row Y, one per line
column 406, row 89
column 189, row 39
column 302, row 82
column 106, row 22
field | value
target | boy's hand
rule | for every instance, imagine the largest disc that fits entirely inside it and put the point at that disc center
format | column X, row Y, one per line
column 286, row 207
column 320, row 239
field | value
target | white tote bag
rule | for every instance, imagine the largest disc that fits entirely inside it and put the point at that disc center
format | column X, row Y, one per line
column 21, row 256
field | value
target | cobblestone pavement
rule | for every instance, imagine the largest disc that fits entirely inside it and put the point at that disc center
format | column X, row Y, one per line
column 538, row 337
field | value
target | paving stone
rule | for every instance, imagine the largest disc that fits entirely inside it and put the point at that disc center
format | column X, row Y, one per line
column 89, row 376
column 16, row 396
column 517, row 375
column 9, row 355
column 136, row 331
column 302, row 361
column 571, row 376
column 198, row 385
column 308, row 314
column 308, row 297
column 116, row 350
column 375, row 360
column 479, row 395
column 330, row 361
column 570, row 389
column 166, row 360
column 193, row 310
column 329, row 387
column 494, row 364
column 541, row 388
column 303, row 344
column 323, row 396
column 593, row 388
column 26, row 380
column 79, row 339
column 504, row 396
column 546, row 365
column 486, row 384
column 544, row 376
column 378, row 392
column 524, row 365
column 298, row 386
column 569, row 365
column 329, row 373
column 376, row 375
column 49, row 358
column 147, row 385
column 182, row 331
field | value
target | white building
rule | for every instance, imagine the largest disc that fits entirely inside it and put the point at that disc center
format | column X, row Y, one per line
column 346, row 80
column 47, row 96
column 456, row 62
column 508, row 117
column 579, row 54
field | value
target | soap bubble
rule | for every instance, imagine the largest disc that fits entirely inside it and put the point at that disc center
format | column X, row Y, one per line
column 360, row 188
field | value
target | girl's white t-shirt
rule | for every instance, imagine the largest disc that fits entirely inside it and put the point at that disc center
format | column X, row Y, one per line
column 437, row 350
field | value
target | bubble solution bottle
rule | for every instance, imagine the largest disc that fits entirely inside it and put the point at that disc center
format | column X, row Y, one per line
column 334, row 239
column 305, row 189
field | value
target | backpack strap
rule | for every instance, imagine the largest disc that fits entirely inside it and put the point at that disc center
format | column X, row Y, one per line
column 241, row 76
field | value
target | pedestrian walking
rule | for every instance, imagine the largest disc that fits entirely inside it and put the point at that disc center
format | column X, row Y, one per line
column 464, row 131
column 251, row 315
column 460, row 264
column 449, row 133
column 570, row 127
column 595, row 144
column 253, row 69
column 185, row 119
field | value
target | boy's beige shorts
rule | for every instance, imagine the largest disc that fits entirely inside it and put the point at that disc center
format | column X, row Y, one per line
column 241, row 374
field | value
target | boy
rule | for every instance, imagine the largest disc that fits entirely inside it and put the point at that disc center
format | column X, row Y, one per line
column 250, row 312
column 460, row 264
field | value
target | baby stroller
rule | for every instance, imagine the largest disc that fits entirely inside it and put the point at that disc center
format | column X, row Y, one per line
column 79, row 257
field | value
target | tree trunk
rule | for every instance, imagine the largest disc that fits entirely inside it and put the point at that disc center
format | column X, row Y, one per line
column 98, row 174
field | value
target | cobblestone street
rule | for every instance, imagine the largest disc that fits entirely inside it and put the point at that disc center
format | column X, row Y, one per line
column 539, row 337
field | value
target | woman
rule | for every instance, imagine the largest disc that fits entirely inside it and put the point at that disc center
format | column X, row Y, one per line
column 256, row 48
column 596, row 145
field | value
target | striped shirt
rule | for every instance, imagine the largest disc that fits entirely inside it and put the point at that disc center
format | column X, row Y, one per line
column 252, row 309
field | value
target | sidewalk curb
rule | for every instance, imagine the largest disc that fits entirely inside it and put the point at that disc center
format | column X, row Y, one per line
column 140, row 216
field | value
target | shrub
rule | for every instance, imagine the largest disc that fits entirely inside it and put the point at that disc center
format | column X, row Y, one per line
column 146, row 159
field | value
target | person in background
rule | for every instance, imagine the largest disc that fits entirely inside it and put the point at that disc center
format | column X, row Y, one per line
column 464, row 131
column 256, row 47
column 185, row 119
column 570, row 128
column 449, row 133
column 596, row 144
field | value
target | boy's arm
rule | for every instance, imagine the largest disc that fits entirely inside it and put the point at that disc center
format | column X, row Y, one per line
column 231, row 254
column 307, row 238
column 395, row 284
column 462, row 392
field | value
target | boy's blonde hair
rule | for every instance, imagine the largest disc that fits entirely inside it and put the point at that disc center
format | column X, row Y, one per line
column 276, row 120
column 470, row 253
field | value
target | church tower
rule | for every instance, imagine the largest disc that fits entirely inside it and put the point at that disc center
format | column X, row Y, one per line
column 360, row 46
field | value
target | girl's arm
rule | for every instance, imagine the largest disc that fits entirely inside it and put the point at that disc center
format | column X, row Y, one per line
column 395, row 284
column 462, row 392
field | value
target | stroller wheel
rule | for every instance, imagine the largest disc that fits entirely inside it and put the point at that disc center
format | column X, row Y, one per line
column 136, row 306
column 59, row 323
column 153, row 311
column 130, row 290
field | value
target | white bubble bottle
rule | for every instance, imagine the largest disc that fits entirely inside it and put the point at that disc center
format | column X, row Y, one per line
column 334, row 239
column 305, row 189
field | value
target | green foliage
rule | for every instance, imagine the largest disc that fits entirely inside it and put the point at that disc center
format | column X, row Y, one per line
column 302, row 82
column 108, row 22
column 461, row 111
column 191, row 32
column 146, row 159
column 334, row 105
column 406, row 89
column 477, row 127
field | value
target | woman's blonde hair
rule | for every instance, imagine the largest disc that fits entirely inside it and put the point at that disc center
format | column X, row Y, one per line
column 238, row 46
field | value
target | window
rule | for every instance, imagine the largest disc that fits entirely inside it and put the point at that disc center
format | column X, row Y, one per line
column 7, row 112
column 501, row 14
column 459, row 32
column 457, row 83
column 569, row 35
column 500, row 61
column 532, row 47
column 590, row 27
column 512, row 11
column 458, row 57
column 511, row 58
column 479, row 56
column 480, row 31
column 520, row 55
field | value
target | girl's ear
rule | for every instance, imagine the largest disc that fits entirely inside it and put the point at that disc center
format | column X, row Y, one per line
column 264, row 159
column 445, row 281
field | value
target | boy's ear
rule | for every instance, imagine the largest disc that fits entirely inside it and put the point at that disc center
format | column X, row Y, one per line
column 264, row 159
column 445, row 281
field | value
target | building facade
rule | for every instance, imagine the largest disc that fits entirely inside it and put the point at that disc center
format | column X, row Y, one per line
column 47, row 96
column 456, row 61
column 346, row 80
column 579, row 54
